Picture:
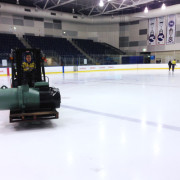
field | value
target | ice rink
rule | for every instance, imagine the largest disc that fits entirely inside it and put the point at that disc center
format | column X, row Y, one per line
column 118, row 125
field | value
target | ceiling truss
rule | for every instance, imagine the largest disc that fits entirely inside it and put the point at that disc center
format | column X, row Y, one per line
column 114, row 6
column 85, row 8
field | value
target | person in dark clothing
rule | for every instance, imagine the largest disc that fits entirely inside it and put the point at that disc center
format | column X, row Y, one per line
column 173, row 64
column 28, row 70
column 169, row 64
column 29, row 78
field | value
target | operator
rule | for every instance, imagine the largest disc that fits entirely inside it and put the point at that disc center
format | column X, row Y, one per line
column 28, row 68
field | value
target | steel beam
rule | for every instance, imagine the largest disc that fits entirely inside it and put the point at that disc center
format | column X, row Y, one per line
column 60, row 4
column 45, row 4
column 123, row 3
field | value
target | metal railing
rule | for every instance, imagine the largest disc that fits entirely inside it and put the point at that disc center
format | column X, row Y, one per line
column 54, row 59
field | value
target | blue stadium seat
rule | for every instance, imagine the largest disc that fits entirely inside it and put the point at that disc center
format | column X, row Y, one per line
column 60, row 45
column 8, row 42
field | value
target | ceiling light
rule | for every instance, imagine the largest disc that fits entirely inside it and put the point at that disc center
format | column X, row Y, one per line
column 146, row 10
column 109, row 0
column 163, row 6
column 101, row 3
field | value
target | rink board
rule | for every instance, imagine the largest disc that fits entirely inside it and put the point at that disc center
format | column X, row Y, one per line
column 72, row 69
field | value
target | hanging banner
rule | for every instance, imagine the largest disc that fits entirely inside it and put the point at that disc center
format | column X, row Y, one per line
column 171, row 29
column 161, row 30
column 152, row 30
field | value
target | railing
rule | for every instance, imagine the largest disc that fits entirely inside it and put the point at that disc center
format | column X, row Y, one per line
column 54, row 59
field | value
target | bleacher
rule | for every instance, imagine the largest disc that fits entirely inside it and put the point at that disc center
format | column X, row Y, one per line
column 102, row 53
column 61, row 45
column 94, row 48
column 65, row 51
column 8, row 42
column 119, row 52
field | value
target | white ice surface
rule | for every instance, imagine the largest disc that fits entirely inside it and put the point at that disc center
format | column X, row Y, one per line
column 112, row 126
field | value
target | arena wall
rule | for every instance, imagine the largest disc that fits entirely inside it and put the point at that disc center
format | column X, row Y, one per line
column 113, row 30
column 20, row 25
column 133, row 40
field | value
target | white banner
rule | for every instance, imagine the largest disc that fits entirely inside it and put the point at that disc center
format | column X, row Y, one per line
column 152, row 31
column 161, row 30
column 171, row 29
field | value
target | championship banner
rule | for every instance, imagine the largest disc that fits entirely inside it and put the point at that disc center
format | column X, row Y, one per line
column 171, row 29
column 161, row 30
column 152, row 31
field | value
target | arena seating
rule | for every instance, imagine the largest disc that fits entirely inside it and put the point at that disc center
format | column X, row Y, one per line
column 8, row 42
column 119, row 52
column 61, row 45
column 100, row 52
column 92, row 48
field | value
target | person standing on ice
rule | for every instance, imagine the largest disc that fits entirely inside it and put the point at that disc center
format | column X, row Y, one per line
column 173, row 64
column 169, row 64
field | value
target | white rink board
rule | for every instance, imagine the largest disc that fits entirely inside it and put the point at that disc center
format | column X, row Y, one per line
column 59, row 69
column 123, row 67
column 3, row 71
column 70, row 69
column 55, row 69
